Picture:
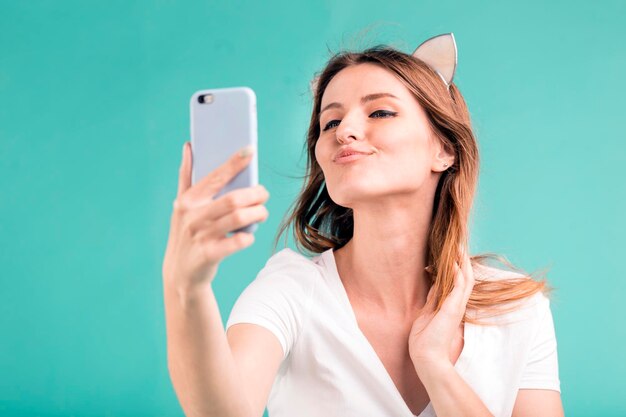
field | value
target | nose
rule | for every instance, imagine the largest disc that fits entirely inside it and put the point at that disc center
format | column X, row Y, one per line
column 348, row 130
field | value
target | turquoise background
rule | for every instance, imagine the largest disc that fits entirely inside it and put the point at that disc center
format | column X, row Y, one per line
column 95, row 110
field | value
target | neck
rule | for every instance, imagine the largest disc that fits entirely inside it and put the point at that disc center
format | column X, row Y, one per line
column 382, row 266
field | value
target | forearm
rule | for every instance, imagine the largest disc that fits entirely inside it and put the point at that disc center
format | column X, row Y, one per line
column 200, row 362
column 449, row 394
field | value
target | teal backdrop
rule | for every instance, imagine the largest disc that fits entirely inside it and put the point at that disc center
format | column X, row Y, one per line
column 95, row 111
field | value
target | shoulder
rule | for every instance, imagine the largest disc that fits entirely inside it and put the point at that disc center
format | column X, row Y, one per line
column 288, row 255
column 289, row 269
column 289, row 261
column 491, row 273
column 528, row 308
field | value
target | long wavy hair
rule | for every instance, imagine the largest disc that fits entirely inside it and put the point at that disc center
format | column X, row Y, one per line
column 320, row 224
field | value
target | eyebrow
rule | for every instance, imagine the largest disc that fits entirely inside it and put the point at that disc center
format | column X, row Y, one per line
column 364, row 100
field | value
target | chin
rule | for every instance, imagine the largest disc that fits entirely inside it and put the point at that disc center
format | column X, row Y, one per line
column 348, row 195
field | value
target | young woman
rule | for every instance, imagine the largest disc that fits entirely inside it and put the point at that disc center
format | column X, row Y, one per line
column 391, row 317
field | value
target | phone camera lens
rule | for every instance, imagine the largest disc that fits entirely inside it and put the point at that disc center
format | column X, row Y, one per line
column 205, row 98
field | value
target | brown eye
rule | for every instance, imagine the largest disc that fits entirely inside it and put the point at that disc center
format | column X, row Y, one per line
column 385, row 113
column 328, row 125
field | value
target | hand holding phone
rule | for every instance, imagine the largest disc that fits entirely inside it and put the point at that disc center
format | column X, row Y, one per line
column 199, row 224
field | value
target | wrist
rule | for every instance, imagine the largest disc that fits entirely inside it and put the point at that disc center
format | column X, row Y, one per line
column 430, row 370
column 185, row 293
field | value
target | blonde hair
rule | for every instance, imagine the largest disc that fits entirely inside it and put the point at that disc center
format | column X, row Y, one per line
column 320, row 224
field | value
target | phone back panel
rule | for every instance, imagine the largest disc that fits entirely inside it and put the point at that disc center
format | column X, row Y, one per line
column 219, row 129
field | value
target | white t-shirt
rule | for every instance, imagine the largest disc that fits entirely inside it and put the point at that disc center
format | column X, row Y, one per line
column 330, row 368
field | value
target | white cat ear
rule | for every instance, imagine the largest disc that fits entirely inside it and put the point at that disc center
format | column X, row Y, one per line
column 439, row 52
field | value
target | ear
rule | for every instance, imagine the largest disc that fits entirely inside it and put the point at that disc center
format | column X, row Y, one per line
column 444, row 155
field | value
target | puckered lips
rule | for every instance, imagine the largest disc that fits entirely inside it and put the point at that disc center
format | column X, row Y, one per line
column 349, row 153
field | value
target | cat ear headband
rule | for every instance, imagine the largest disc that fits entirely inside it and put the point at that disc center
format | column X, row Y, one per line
column 438, row 52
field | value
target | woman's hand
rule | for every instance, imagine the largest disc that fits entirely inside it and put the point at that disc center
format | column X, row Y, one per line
column 431, row 337
column 199, row 224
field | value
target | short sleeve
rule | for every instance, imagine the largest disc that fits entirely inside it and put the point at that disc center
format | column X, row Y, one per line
column 541, row 370
column 278, row 298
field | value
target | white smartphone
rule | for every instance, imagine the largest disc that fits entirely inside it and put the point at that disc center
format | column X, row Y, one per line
column 224, row 120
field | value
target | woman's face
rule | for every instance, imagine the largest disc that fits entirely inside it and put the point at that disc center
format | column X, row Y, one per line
column 405, row 156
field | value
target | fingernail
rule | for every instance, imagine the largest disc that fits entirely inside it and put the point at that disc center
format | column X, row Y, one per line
column 247, row 151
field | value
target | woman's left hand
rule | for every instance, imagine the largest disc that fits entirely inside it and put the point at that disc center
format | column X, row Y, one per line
column 431, row 337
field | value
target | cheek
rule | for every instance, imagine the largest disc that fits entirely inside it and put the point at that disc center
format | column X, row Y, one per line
column 406, row 166
column 405, row 147
column 322, row 154
column 319, row 152
column 406, row 160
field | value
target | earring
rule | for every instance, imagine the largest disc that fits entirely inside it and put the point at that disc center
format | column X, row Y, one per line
column 445, row 165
